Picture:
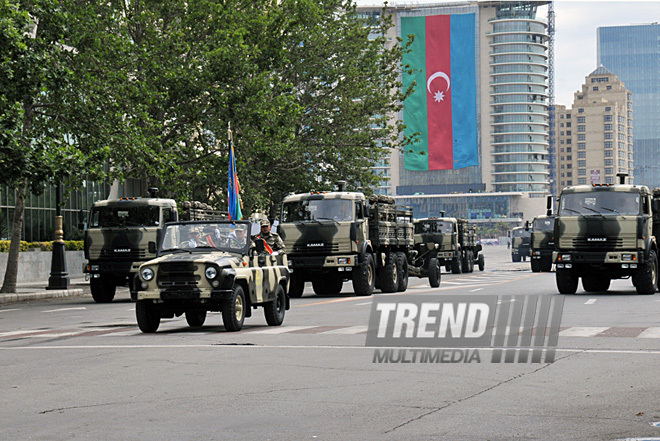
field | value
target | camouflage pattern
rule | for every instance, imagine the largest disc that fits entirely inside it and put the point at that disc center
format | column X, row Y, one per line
column 542, row 242
column 180, row 273
column 273, row 240
column 604, row 231
column 520, row 243
column 441, row 231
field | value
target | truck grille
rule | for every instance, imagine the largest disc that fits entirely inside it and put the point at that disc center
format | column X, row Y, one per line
column 177, row 275
column 133, row 254
column 303, row 249
column 609, row 243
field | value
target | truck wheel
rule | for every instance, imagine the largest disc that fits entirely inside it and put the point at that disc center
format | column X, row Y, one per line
column 274, row 311
column 482, row 262
column 148, row 317
column 195, row 317
column 402, row 271
column 567, row 281
column 388, row 275
column 434, row 273
column 546, row 264
column 595, row 283
column 296, row 286
column 646, row 277
column 536, row 266
column 103, row 289
column 364, row 277
column 470, row 262
column 456, row 265
column 233, row 311
column 515, row 257
column 328, row 284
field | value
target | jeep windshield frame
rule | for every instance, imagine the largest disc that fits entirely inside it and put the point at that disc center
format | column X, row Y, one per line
column 600, row 203
column 205, row 237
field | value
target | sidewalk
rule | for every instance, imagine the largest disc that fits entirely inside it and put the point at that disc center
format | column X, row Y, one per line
column 78, row 286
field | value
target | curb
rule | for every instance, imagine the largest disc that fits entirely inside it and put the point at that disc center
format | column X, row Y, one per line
column 25, row 296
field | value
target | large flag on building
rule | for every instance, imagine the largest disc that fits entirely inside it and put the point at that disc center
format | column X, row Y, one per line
column 233, row 187
column 443, row 107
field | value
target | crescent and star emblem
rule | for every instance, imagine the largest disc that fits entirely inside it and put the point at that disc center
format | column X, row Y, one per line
column 439, row 95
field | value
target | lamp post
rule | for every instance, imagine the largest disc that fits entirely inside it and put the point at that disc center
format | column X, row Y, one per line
column 59, row 278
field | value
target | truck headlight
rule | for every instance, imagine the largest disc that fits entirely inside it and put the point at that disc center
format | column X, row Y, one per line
column 627, row 257
column 566, row 257
column 147, row 274
column 343, row 260
column 211, row 272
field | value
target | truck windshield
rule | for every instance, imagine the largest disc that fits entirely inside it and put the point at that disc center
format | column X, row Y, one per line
column 544, row 224
column 133, row 216
column 433, row 227
column 318, row 209
column 612, row 203
column 521, row 233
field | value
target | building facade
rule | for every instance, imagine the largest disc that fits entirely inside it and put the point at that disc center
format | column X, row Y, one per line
column 594, row 137
column 633, row 54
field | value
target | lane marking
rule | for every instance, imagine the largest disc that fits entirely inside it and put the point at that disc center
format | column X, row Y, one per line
column 66, row 309
column 652, row 332
column 282, row 330
column 475, row 290
column 348, row 330
column 7, row 310
column 590, row 302
column 581, row 331
column 362, row 304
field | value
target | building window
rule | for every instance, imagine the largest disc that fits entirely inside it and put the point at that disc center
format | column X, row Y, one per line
column 607, row 118
column 622, row 163
column 580, row 110
column 609, row 87
column 581, row 119
column 581, row 128
column 568, row 116
column 608, row 153
column 595, row 89
column 569, row 158
column 569, row 174
column 580, row 97
column 608, row 135
column 609, row 162
column 609, row 170
column 608, row 109
column 582, row 172
column 582, row 137
column 609, row 180
column 568, row 125
column 569, row 165
column 568, row 141
column 568, row 150
column 582, row 145
column 568, row 133
column 607, row 127
column 569, row 182
column 582, row 154
column 582, row 163
column 582, row 181
column 608, row 144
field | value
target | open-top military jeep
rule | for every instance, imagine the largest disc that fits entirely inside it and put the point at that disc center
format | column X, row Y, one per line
column 206, row 266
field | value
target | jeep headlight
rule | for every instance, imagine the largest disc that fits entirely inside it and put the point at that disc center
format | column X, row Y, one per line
column 211, row 272
column 627, row 257
column 147, row 274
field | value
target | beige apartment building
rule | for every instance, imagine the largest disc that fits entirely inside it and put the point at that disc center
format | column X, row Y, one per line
column 594, row 138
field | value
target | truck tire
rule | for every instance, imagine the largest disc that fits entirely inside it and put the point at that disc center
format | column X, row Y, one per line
column 466, row 262
column 482, row 262
column 364, row 277
column 470, row 261
column 233, row 311
column 596, row 283
column 567, row 281
column 402, row 271
column 296, row 286
column 195, row 317
column 536, row 266
column 274, row 311
column 434, row 273
column 388, row 275
column 148, row 317
column 515, row 257
column 645, row 278
column 328, row 284
column 456, row 265
column 103, row 288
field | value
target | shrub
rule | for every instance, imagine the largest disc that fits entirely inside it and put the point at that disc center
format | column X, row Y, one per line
column 69, row 245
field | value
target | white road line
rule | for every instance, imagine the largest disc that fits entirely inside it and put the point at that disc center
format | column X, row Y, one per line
column 475, row 290
column 25, row 331
column 362, row 304
column 66, row 309
column 7, row 310
column 55, row 335
column 346, row 331
column 590, row 302
column 580, row 331
column 282, row 330
column 653, row 332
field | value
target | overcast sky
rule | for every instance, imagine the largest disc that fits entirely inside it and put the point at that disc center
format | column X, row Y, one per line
column 575, row 37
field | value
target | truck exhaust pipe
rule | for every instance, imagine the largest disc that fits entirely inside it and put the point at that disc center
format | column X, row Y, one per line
column 153, row 191
column 548, row 206
column 622, row 177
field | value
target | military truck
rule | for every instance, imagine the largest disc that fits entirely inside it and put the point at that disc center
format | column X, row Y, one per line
column 542, row 243
column 335, row 236
column 122, row 233
column 458, row 250
column 222, row 271
column 604, row 232
column 520, row 243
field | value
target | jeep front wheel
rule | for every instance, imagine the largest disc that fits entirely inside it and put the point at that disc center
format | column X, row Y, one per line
column 233, row 312
column 148, row 317
column 195, row 318
column 274, row 311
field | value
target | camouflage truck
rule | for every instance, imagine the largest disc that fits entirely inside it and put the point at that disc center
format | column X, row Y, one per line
column 605, row 232
column 520, row 243
column 542, row 243
column 331, row 237
column 458, row 250
column 122, row 233
column 222, row 271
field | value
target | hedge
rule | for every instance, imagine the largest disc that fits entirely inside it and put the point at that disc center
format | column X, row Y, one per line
column 69, row 245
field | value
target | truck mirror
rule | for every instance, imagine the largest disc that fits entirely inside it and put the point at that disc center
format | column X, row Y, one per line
column 152, row 247
column 656, row 206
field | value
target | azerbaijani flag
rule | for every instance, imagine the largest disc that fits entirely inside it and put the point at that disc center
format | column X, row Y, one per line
column 233, row 187
column 443, row 107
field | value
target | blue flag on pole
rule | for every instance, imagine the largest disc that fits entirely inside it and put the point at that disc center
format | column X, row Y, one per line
column 233, row 187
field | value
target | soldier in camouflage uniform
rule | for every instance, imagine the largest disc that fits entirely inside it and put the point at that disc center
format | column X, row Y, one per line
column 273, row 240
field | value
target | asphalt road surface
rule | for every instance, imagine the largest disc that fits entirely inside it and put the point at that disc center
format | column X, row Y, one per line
column 72, row 369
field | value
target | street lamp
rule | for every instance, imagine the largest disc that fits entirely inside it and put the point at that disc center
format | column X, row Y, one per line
column 59, row 278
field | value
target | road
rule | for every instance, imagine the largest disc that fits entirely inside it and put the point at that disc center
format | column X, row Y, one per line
column 73, row 369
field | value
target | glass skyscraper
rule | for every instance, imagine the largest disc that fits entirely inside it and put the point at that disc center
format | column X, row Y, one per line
column 633, row 54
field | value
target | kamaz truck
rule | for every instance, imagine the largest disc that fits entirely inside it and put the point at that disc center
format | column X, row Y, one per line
column 542, row 243
column 332, row 237
column 520, row 243
column 604, row 232
column 123, row 233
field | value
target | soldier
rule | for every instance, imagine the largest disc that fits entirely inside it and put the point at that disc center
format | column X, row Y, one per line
column 237, row 238
column 273, row 240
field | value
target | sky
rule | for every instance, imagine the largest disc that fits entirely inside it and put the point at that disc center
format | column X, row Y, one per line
column 575, row 35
